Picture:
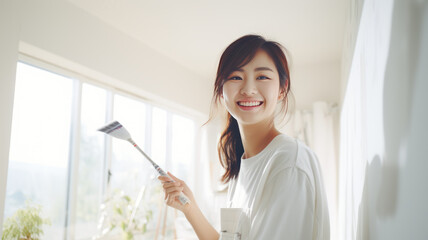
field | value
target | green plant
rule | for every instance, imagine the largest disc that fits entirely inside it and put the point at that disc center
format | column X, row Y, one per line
column 25, row 224
column 116, row 214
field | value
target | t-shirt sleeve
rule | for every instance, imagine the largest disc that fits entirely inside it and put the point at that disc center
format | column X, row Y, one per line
column 286, row 209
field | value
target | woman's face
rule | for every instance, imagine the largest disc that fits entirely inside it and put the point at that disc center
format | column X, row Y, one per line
column 250, row 94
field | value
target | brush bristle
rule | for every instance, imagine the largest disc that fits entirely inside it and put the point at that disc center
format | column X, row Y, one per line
column 115, row 129
column 110, row 127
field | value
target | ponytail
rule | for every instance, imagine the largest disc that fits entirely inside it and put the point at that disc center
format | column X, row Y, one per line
column 230, row 149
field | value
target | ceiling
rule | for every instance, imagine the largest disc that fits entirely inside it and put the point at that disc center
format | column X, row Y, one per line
column 194, row 33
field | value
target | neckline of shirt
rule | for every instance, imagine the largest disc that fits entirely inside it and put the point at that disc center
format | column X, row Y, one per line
column 271, row 144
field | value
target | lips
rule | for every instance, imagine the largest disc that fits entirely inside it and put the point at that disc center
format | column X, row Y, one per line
column 250, row 103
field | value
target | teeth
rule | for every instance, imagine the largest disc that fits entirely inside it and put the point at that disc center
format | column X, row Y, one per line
column 249, row 104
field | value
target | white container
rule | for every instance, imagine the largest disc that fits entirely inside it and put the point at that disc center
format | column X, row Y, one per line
column 230, row 223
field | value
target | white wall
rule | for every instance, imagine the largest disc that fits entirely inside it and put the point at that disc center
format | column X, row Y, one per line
column 315, row 82
column 71, row 37
column 9, row 29
column 383, row 160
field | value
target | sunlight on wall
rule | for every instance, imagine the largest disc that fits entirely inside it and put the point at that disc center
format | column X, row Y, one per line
column 362, row 136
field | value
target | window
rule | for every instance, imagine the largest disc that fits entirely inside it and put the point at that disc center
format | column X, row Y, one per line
column 182, row 147
column 39, row 148
column 128, row 166
column 91, row 161
column 52, row 153
column 159, row 136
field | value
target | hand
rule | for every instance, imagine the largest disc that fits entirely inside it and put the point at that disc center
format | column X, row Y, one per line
column 173, row 189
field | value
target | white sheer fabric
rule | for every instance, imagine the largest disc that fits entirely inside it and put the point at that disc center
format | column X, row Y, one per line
column 317, row 128
column 362, row 130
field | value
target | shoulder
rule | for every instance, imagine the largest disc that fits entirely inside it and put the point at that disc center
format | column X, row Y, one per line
column 291, row 153
column 306, row 158
column 284, row 151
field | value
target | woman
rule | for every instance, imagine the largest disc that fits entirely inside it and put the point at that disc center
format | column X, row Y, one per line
column 273, row 178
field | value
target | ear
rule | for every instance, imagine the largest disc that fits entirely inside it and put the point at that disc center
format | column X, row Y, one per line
column 281, row 95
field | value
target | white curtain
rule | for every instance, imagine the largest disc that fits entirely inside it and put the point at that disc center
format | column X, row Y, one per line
column 317, row 127
column 362, row 136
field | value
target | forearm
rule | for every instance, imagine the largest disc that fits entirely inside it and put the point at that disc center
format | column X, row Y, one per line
column 200, row 224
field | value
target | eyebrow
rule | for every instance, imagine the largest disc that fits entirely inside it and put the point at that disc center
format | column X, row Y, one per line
column 257, row 69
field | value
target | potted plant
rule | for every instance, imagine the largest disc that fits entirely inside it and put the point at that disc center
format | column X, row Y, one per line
column 25, row 224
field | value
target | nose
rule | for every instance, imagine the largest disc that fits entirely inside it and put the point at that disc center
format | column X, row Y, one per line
column 248, row 88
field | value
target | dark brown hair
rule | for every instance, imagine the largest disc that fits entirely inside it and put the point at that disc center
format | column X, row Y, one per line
column 235, row 56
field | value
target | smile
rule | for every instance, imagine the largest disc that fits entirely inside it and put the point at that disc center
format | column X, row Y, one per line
column 250, row 103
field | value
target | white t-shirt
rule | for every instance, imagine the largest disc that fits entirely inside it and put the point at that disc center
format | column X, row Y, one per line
column 281, row 193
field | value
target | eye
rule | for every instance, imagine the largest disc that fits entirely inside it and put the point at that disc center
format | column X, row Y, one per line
column 262, row 78
column 235, row 78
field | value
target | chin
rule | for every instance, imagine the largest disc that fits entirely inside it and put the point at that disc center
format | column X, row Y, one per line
column 249, row 121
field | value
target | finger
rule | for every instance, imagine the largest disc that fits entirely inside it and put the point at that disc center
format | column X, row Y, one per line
column 171, row 184
column 173, row 194
column 169, row 191
column 174, row 177
column 164, row 179
column 172, row 198
column 172, row 189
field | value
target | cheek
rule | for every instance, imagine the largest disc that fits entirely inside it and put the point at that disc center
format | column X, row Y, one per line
column 271, row 92
column 228, row 91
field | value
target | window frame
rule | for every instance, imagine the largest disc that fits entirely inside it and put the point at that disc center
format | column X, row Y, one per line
column 74, row 153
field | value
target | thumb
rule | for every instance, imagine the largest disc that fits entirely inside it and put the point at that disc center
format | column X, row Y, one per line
column 174, row 177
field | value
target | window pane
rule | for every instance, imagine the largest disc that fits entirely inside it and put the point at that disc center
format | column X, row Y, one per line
column 91, row 161
column 159, row 126
column 39, row 150
column 132, row 177
column 183, row 147
column 129, row 168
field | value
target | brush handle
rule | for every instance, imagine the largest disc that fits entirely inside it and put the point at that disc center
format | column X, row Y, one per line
column 183, row 199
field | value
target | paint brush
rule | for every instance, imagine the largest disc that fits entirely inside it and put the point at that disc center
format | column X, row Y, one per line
column 115, row 129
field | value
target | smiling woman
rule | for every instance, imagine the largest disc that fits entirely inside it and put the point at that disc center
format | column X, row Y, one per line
column 275, row 186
